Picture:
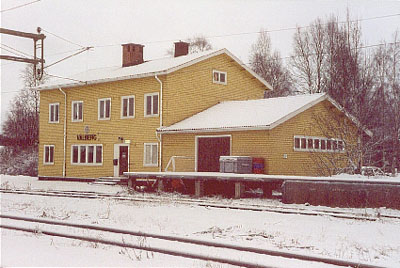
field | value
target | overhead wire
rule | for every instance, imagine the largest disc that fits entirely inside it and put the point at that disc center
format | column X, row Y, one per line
column 20, row 52
column 23, row 5
column 191, row 71
column 255, row 32
column 62, row 38
column 215, row 36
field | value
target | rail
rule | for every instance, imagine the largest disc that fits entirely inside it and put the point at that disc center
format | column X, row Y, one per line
column 309, row 211
column 230, row 260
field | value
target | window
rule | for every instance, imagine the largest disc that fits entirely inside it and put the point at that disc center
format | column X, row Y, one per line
column 128, row 107
column 150, row 155
column 77, row 111
column 296, row 143
column 104, row 109
column 316, row 144
column 310, row 143
column 87, row 154
column 151, row 104
column 323, row 144
column 303, row 143
column 48, row 157
column 53, row 112
column 219, row 77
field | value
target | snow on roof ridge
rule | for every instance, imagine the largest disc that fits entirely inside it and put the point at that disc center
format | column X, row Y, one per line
column 281, row 97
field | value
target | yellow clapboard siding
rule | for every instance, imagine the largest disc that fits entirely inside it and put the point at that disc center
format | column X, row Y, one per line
column 271, row 145
column 185, row 92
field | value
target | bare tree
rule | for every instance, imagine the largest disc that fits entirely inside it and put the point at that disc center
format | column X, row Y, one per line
column 269, row 65
column 348, row 150
column 22, row 123
column 386, row 99
column 197, row 43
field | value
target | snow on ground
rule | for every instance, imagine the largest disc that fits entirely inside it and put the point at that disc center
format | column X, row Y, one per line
column 369, row 242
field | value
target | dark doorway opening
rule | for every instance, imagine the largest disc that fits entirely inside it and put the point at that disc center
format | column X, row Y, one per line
column 123, row 159
column 209, row 149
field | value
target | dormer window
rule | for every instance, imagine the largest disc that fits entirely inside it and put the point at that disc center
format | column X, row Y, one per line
column 219, row 77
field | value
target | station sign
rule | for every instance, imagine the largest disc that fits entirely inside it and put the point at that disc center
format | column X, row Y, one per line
column 86, row 137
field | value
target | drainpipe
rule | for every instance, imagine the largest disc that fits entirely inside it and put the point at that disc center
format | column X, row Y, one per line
column 65, row 128
column 161, row 119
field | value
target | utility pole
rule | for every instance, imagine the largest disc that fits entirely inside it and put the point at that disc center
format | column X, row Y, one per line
column 35, row 61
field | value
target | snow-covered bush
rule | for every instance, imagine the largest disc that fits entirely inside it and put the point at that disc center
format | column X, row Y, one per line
column 16, row 162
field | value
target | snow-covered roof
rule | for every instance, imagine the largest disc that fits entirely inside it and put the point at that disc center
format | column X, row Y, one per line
column 248, row 114
column 146, row 69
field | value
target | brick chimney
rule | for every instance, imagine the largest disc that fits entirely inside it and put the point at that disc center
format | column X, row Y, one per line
column 181, row 49
column 132, row 54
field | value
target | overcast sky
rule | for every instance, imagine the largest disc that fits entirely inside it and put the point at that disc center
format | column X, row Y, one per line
column 106, row 24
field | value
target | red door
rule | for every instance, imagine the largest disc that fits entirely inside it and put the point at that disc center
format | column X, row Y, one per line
column 123, row 159
column 209, row 149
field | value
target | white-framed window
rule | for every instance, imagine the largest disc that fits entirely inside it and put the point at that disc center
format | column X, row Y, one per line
column 104, row 109
column 87, row 154
column 48, row 155
column 151, row 104
column 128, row 107
column 318, row 144
column 150, row 157
column 219, row 77
column 77, row 111
column 54, row 109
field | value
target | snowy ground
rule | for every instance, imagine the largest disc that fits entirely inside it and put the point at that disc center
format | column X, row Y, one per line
column 375, row 242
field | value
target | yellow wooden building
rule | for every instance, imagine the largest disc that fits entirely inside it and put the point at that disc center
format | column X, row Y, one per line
column 308, row 135
column 105, row 121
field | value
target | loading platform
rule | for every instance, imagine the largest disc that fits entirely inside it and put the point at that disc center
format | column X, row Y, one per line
column 268, row 183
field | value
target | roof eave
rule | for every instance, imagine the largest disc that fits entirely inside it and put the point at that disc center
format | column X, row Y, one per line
column 205, row 130
column 98, row 81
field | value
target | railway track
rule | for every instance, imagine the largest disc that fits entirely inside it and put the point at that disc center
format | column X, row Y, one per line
column 337, row 213
column 234, row 253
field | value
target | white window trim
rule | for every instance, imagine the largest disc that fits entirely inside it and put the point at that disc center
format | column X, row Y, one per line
column 44, row 154
column 94, row 155
column 98, row 109
column 122, row 107
column 145, row 104
column 144, row 154
column 219, row 82
column 58, row 118
column 72, row 112
column 317, row 150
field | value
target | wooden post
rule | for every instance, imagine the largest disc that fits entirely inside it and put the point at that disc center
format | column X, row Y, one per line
column 239, row 189
column 160, row 185
column 267, row 189
column 198, row 188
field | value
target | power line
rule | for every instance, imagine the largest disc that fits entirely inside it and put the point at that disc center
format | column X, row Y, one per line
column 243, row 64
column 12, row 8
column 21, row 53
column 62, row 38
column 70, row 56
column 257, row 32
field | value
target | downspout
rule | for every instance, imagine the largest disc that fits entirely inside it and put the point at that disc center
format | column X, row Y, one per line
column 65, row 129
column 161, row 120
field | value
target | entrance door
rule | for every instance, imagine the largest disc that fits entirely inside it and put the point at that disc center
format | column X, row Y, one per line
column 209, row 149
column 123, row 159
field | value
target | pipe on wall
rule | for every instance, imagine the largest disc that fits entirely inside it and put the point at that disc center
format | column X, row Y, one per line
column 161, row 120
column 65, row 130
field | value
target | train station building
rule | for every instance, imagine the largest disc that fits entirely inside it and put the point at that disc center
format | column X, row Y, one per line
column 188, row 110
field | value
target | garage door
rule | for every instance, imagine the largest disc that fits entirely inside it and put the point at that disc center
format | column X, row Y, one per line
column 209, row 149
